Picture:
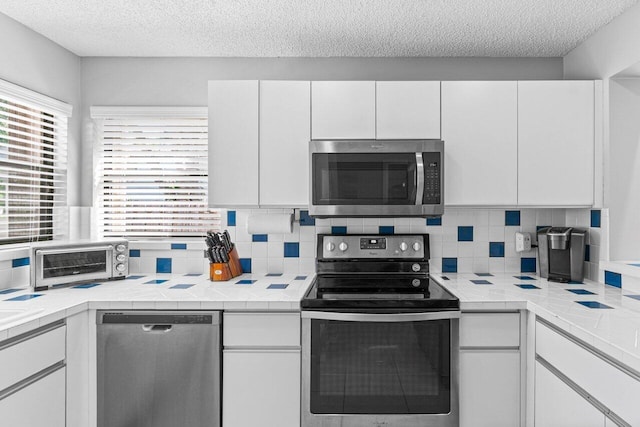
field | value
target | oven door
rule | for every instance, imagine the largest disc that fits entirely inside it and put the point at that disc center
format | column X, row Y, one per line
column 361, row 369
column 70, row 265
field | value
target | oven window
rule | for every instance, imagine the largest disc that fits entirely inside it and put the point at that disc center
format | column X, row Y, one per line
column 364, row 178
column 74, row 263
column 380, row 367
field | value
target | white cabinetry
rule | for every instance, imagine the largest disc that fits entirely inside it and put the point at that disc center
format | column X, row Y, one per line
column 480, row 130
column 408, row 110
column 78, row 370
column 233, row 143
column 555, row 143
column 490, row 370
column 284, row 143
column 343, row 110
column 261, row 369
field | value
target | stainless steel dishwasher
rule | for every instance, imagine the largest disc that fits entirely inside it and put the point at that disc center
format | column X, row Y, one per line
column 158, row 368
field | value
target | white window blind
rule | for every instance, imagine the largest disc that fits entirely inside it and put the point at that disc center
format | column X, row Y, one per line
column 151, row 171
column 33, row 166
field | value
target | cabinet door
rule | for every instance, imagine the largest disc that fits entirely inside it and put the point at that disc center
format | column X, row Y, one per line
column 233, row 143
column 408, row 110
column 343, row 110
column 77, row 344
column 489, row 388
column 557, row 404
column 40, row 404
column 555, row 143
column 480, row 133
column 285, row 115
column 261, row 388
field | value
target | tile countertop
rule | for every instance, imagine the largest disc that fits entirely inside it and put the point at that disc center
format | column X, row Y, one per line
column 150, row 291
column 603, row 316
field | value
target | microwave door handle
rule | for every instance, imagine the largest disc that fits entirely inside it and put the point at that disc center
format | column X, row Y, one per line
column 381, row 317
column 419, row 178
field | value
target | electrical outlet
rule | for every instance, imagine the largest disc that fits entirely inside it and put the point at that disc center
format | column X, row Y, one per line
column 523, row 242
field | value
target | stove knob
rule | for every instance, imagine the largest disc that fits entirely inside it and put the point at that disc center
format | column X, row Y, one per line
column 403, row 246
column 120, row 257
column 343, row 246
column 120, row 248
column 416, row 246
column 330, row 246
column 415, row 267
column 415, row 283
column 121, row 267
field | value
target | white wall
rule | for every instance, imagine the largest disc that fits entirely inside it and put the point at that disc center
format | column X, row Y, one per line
column 35, row 62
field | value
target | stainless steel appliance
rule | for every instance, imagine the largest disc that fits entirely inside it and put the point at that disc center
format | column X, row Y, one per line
column 59, row 263
column 158, row 369
column 561, row 253
column 379, row 336
column 376, row 178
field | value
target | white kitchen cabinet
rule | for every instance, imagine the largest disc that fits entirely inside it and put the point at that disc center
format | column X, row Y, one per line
column 408, row 110
column 77, row 371
column 556, row 143
column 343, row 110
column 233, row 143
column 557, row 404
column 285, row 115
column 480, row 130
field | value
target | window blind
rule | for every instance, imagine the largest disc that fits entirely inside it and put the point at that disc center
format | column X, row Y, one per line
column 33, row 165
column 152, row 173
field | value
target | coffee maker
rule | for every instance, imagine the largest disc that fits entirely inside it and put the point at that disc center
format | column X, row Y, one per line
column 561, row 253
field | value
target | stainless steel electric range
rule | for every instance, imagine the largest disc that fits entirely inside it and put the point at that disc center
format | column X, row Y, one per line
column 379, row 336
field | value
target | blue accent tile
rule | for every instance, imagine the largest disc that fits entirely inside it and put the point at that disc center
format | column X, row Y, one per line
column 305, row 219
column 636, row 297
column 245, row 263
column 193, row 274
column 449, row 265
column 587, row 253
column 259, row 238
column 87, row 286
column 465, row 234
column 593, row 304
column 291, row 249
column 635, row 265
column 338, row 229
column 435, row 221
column 540, row 227
column 134, row 253
column 527, row 286
column 524, row 278
column 163, row 265
column 581, row 291
column 19, row 262
column 9, row 291
column 573, row 282
column 595, row 218
column 444, row 278
column 527, row 265
column 484, row 274
column 278, row 286
column 134, row 277
column 231, row 218
column 511, row 217
column 481, row 282
column 156, row 282
column 386, row 229
column 300, row 278
column 274, row 275
column 24, row 297
column 181, row 286
column 182, row 246
column 496, row 249
column 246, row 282
column 612, row 279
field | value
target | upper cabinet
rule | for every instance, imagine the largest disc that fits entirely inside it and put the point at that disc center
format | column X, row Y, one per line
column 556, row 143
column 480, row 130
column 343, row 110
column 408, row 110
column 233, row 143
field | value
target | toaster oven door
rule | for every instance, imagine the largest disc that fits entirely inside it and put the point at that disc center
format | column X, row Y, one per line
column 70, row 265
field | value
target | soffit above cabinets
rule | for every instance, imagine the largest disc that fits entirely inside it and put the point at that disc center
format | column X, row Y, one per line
column 317, row 28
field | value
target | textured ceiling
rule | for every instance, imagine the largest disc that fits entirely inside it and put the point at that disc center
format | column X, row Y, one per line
column 316, row 28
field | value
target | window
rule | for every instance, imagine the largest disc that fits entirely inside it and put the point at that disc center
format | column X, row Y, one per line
column 151, row 172
column 33, row 165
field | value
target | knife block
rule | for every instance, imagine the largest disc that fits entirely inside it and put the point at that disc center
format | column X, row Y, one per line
column 223, row 271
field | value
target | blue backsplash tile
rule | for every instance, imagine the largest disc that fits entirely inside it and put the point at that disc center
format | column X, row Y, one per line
column 465, row 234
column 305, row 219
column 595, row 218
column 19, row 262
column 540, row 227
column 338, row 229
column 291, row 249
column 231, row 218
column 163, row 265
column 593, row 304
column 24, row 297
column 449, row 265
column 134, row 253
column 496, row 249
column 386, row 229
column 179, row 246
column 245, row 263
column 437, row 221
column 527, row 265
column 613, row 279
column 259, row 238
column 511, row 218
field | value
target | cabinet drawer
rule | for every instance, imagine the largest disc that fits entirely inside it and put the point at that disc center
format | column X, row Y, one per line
column 22, row 358
column 607, row 383
column 490, row 330
column 261, row 329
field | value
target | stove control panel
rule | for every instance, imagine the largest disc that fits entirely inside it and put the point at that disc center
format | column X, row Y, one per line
column 405, row 246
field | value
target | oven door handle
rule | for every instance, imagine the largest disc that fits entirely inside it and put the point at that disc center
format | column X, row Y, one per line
column 381, row 317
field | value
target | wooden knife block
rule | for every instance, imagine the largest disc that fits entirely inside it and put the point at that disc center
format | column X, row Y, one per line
column 223, row 271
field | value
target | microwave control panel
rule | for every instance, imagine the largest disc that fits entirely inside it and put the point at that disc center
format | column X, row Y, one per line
column 432, row 178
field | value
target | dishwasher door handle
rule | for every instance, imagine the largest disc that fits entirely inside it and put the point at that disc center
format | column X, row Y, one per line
column 157, row 328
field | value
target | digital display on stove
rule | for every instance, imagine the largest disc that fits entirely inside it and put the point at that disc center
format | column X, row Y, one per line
column 373, row 243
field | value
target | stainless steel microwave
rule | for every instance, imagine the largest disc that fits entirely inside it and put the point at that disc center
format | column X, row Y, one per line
column 61, row 263
column 376, row 178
